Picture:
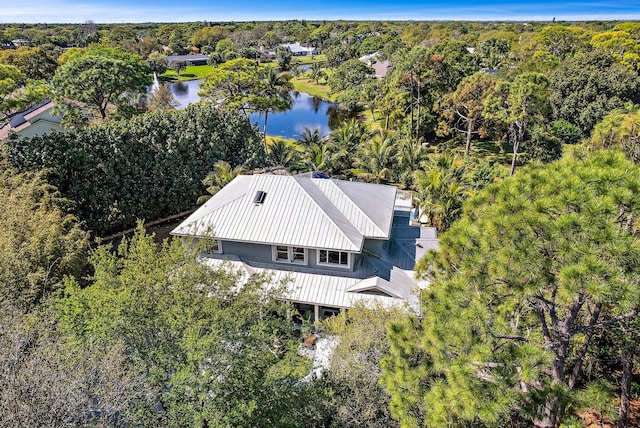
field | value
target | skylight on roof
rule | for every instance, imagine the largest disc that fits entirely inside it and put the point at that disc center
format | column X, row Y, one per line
column 259, row 198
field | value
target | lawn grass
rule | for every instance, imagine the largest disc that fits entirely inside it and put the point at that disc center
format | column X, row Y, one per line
column 309, row 59
column 308, row 86
column 270, row 139
column 192, row 72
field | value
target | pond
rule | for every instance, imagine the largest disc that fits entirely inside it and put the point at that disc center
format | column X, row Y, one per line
column 307, row 111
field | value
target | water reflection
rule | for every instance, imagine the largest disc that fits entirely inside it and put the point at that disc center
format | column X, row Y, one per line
column 316, row 103
column 181, row 89
column 307, row 112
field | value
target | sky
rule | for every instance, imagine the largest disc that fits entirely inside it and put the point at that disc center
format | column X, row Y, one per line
column 129, row 11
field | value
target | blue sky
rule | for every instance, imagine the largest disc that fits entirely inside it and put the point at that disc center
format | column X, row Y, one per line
column 119, row 11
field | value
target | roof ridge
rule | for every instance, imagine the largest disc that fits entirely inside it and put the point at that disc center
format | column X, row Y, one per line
column 333, row 182
column 297, row 180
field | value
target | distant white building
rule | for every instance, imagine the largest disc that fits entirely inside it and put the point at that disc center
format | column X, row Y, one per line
column 337, row 242
column 299, row 50
column 20, row 42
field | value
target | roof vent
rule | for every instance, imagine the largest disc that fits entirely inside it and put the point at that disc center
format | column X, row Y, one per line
column 259, row 198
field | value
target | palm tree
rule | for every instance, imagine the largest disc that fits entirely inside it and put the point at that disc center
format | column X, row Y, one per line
column 309, row 137
column 273, row 94
column 409, row 157
column 374, row 158
column 316, row 72
column 346, row 141
column 317, row 150
column 284, row 153
column 442, row 187
column 220, row 176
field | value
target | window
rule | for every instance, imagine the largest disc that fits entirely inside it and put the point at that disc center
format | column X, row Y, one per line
column 212, row 246
column 334, row 258
column 282, row 253
column 298, row 254
column 286, row 254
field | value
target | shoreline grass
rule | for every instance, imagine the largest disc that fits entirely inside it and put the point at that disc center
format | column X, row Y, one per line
column 308, row 86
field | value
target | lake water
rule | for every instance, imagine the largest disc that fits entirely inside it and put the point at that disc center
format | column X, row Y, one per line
column 307, row 111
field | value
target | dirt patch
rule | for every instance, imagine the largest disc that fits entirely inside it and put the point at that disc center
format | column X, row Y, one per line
column 592, row 419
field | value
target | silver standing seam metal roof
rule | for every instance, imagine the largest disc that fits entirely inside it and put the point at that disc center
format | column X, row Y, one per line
column 296, row 211
column 328, row 290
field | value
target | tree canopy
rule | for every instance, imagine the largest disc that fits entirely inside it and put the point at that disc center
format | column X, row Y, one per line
column 16, row 92
column 229, row 83
column 40, row 242
column 587, row 87
column 147, row 167
column 536, row 266
column 99, row 80
column 205, row 346
column 35, row 62
column 619, row 130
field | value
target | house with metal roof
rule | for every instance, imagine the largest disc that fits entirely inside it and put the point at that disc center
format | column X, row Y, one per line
column 298, row 50
column 37, row 120
column 335, row 242
column 192, row 59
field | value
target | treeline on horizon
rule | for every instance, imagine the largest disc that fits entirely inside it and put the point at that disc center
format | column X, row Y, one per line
column 72, row 34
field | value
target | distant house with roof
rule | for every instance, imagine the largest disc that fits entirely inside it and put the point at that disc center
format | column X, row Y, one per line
column 380, row 66
column 337, row 242
column 298, row 50
column 20, row 42
column 194, row 59
column 37, row 120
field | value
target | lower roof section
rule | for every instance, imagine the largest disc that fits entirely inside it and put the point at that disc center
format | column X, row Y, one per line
column 335, row 291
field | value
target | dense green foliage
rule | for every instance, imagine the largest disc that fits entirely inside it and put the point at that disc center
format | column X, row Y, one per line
column 17, row 92
column 353, row 390
column 157, row 338
column 36, row 62
column 619, row 130
column 462, row 110
column 144, row 168
column 535, row 267
column 518, row 104
column 48, row 380
column 204, row 345
column 587, row 87
column 230, row 83
column 349, row 78
column 39, row 242
column 443, row 184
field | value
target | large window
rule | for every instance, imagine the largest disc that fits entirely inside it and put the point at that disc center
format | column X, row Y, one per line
column 286, row 254
column 334, row 258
